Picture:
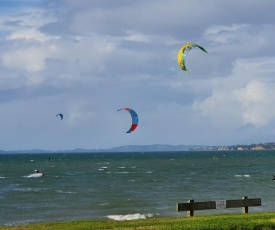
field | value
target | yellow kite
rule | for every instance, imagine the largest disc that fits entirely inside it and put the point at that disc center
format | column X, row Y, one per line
column 183, row 53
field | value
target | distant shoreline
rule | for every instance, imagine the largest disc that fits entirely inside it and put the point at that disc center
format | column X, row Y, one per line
column 155, row 148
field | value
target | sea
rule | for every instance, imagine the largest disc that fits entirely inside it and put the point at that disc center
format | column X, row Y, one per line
column 129, row 185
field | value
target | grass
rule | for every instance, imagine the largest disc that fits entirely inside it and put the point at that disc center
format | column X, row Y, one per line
column 253, row 221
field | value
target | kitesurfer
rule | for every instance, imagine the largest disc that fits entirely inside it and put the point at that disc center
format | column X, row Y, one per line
column 37, row 171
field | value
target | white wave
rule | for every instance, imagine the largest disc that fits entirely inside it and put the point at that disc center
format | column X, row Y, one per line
column 34, row 175
column 2, row 177
column 245, row 175
column 136, row 216
column 103, row 204
column 122, row 167
column 101, row 163
column 104, row 167
column 61, row 191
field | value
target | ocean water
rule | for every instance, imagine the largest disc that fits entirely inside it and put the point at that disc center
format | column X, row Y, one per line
column 124, row 186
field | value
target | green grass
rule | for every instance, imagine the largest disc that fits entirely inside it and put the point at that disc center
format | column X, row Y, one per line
column 255, row 221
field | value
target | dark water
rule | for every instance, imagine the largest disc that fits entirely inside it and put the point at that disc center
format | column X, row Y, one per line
column 129, row 185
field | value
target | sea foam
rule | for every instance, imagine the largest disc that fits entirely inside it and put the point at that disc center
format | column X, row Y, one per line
column 245, row 175
column 135, row 216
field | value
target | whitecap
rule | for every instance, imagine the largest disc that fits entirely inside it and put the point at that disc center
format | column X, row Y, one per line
column 238, row 175
column 103, row 204
column 245, row 175
column 61, row 191
column 34, row 175
column 136, row 216
column 2, row 177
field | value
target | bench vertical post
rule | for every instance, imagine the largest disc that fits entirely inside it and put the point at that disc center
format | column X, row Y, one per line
column 190, row 212
column 245, row 208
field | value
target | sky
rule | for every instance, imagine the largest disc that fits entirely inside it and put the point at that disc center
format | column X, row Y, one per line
column 86, row 59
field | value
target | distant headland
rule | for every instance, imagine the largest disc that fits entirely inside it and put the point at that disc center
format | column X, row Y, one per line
column 156, row 148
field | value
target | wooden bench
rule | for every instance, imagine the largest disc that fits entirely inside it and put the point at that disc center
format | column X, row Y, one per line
column 191, row 206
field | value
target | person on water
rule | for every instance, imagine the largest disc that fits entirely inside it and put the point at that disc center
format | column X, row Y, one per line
column 37, row 171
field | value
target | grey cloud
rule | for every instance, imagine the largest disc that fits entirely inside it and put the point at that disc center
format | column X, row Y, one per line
column 113, row 54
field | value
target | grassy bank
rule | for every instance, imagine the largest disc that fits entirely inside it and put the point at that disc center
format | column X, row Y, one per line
column 255, row 221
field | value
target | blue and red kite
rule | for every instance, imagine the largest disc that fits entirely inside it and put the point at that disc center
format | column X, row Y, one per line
column 134, row 119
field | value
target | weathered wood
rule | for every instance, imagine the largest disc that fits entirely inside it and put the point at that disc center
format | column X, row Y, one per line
column 190, row 212
column 196, row 206
column 245, row 208
column 243, row 203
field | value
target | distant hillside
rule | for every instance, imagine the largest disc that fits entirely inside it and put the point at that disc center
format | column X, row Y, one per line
column 126, row 148
column 150, row 148
column 155, row 148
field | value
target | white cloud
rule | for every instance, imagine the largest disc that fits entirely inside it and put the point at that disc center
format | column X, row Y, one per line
column 30, row 35
column 30, row 58
column 136, row 37
column 245, row 97
column 89, row 58
column 223, row 34
column 219, row 29
column 256, row 100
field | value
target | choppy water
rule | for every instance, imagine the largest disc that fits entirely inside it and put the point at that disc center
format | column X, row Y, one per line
column 125, row 186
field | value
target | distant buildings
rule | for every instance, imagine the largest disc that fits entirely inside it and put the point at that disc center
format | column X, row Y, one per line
column 265, row 146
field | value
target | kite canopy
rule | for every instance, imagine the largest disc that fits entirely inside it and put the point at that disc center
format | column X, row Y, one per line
column 61, row 115
column 183, row 53
column 134, row 119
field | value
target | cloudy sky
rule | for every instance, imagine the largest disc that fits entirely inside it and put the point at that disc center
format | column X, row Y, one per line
column 88, row 58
